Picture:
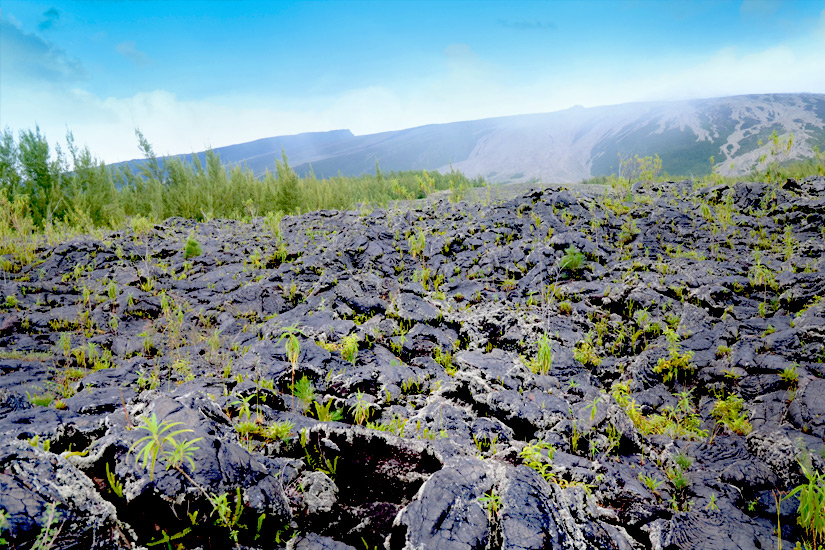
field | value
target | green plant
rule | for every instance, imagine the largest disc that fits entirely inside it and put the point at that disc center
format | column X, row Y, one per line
column 4, row 519
column 349, row 348
column 722, row 351
column 324, row 414
column 650, row 482
column 543, row 361
column 292, row 346
column 585, row 352
column 321, row 463
column 678, row 478
column 760, row 274
column 228, row 517
column 484, row 443
column 614, row 437
column 628, row 231
column 683, row 461
column 679, row 422
column 116, row 486
column 167, row 538
column 45, row 444
column 155, row 444
column 395, row 426
column 148, row 381
column 575, row 435
column 416, row 244
column 361, row 410
column 279, row 430
column 40, row 400
column 49, row 533
column 593, row 406
column 811, row 510
column 244, row 408
column 304, row 390
column 411, row 386
column 573, row 260
column 790, row 375
column 491, row 502
column 675, row 364
column 539, row 456
column 445, row 359
column 729, row 413
column 192, row 248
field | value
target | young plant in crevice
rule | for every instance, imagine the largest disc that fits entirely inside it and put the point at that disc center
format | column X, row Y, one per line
column 349, row 348
column 811, row 510
column 361, row 410
column 162, row 443
column 543, row 360
column 730, row 413
column 304, row 390
column 292, row 346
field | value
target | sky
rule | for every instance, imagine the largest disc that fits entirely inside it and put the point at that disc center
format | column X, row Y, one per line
column 191, row 74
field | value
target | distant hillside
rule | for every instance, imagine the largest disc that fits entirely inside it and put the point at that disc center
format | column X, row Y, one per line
column 563, row 146
column 259, row 155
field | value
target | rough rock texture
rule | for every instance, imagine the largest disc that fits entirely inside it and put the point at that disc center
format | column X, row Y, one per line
column 559, row 370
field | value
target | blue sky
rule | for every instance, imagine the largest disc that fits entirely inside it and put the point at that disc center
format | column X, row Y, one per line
column 194, row 74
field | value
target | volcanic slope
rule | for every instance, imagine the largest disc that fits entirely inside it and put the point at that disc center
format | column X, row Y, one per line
column 557, row 370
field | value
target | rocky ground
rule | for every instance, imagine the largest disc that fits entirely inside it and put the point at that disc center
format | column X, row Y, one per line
column 558, row 370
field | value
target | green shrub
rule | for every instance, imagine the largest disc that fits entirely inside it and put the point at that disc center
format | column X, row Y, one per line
column 304, row 390
column 445, row 359
column 192, row 249
column 676, row 363
column 790, row 375
column 349, row 348
column 43, row 189
column 544, row 357
column 811, row 510
column 729, row 413
column 279, row 430
column 585, row 352
column 573, row 260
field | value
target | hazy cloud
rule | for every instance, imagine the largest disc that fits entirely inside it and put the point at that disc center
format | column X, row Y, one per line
column 128, row 49
column 460, row 86
column 759, row 8
column 51, row 17
column 25, row 56
column 534, row 25
column 820, row 31
column 459, row 51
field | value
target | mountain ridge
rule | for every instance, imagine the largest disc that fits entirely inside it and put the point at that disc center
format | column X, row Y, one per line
column 562, row 146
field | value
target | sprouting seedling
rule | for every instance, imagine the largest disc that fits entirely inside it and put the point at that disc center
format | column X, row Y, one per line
column 572, row 259
column 244, row 408
column 293, row 348
column 154, row 445
column 593, row 407
column 491, row 501
column 349, row 348
column 361, row 410
column 544, row 356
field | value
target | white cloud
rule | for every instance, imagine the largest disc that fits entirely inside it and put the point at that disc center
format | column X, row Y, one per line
column 463, row 88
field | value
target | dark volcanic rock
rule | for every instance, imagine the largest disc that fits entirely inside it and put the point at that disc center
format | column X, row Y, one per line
column 42, row 491
column 330, row 383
